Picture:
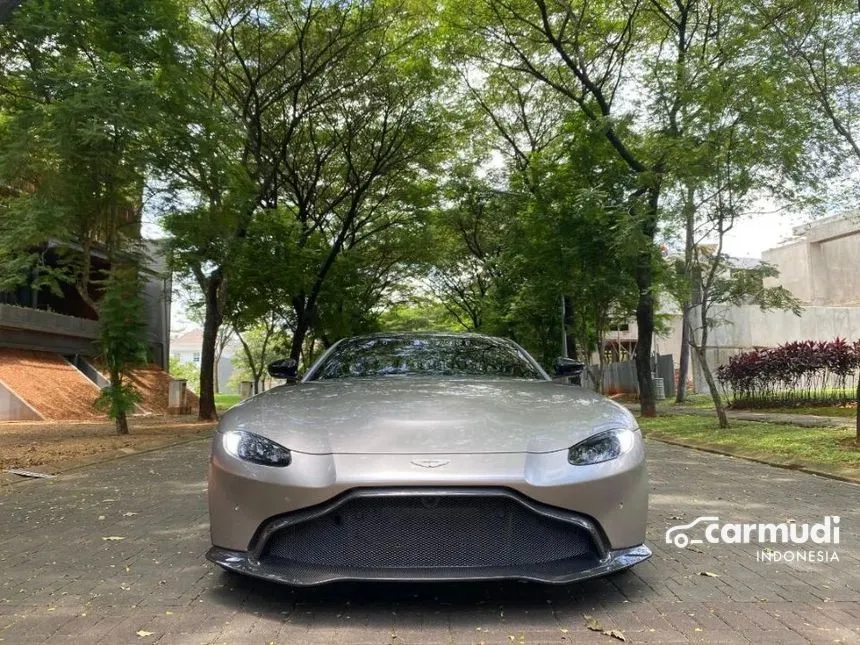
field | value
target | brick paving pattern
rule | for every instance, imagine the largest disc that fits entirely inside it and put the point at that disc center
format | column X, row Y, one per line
column 62, row 582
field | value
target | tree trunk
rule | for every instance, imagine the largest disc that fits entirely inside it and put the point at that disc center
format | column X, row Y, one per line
column 644, row 276
column 211, row 322
column 684, row 363
column 712, row 386
column 121, row 423
column 121, row 420
column 858, row 409
column 569, row 328
column 645, row 325
column 601, row 366
column 303, row 318
column 686, row 322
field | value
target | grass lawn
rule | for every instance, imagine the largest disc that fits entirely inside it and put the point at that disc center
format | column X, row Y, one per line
column 831, row 450
column 225, row 401
column 704, row 401
column 694, row 401
column 829, row 411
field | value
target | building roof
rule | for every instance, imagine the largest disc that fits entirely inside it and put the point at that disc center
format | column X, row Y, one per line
column 191, row 339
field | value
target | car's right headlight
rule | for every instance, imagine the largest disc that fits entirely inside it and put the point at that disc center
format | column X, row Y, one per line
column 248, row 446
column 600, row 447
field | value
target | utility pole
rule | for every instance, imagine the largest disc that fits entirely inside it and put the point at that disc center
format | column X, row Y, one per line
column 563, row 329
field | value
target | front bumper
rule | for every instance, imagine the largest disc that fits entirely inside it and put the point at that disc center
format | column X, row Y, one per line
column 243, row 496
column 428, row 534
column 242, row 562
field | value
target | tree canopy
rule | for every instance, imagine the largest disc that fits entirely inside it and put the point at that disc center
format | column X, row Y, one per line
column 515, row 167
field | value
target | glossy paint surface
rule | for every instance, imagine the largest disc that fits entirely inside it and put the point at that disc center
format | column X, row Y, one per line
column 428, row 415
column 401, row 431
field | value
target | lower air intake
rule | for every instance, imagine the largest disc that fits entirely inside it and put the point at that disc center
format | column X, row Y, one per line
column 399, row 532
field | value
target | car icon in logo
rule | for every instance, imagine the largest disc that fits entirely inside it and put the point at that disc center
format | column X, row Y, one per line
column 675, row 535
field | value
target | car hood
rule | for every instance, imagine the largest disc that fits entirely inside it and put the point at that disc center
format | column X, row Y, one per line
column 411, row 415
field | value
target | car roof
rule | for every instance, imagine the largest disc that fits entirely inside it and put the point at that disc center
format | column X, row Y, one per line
column 424, row 334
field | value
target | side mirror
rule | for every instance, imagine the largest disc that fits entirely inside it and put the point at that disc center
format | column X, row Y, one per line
column 569, row 368
column 286, row 368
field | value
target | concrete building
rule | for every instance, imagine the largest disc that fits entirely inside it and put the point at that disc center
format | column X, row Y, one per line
column 36, row 319
column 819, row 264
column 49, row 366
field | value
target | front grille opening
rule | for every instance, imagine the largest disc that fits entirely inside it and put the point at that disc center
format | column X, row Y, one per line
column 435, row 531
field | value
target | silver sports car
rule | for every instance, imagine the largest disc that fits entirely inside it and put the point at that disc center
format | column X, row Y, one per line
column 427, row 457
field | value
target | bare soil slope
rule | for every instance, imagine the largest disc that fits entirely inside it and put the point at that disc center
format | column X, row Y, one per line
column 49, row 384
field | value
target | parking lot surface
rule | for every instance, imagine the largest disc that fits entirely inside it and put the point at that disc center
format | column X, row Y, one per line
column 113, row 553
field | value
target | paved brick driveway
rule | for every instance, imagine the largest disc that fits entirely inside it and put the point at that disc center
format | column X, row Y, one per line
column 61, row 582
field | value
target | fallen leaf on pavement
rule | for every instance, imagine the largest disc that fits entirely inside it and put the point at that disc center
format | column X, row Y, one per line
column 112, row 538
column 614, row 633
column 141, row 633
column 708, row 574
column 593, row 624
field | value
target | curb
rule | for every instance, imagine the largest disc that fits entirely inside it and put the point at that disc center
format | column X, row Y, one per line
column 758, row 460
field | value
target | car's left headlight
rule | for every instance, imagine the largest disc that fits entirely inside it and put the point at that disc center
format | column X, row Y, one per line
column 248, row 446
column 600, row 447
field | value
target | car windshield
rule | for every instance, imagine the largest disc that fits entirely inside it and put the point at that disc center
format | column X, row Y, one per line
column 426, row 356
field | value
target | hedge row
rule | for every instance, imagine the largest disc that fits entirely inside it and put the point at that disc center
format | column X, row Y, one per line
column 798, row 373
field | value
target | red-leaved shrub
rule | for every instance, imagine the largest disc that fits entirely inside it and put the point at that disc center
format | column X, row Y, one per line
column 798, row 373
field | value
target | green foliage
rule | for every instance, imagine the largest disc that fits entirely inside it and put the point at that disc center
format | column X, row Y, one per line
column 418, row 314
column 79, row 110
column 180, row 370
column 502, row 258
column 118, row 400
column 261, row 344
column 740, row 286
column 301, row 205
column 123, row 344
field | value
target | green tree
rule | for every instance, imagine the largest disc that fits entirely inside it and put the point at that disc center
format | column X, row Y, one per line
column 257, row 344
column 821, row 46
column 123, row 344
column 185, row 371
column 80, row 106
column 324, row 111
column 581, row 51
column 80, row 100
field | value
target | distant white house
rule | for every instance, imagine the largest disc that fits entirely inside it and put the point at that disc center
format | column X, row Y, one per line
column 187, row 348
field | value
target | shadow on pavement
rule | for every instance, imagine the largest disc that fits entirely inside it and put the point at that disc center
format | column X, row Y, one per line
column 329, row 602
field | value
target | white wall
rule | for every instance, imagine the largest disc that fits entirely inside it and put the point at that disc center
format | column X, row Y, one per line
column 748, row 327
column 792, row 260
column 820, row 266
column 225, row 366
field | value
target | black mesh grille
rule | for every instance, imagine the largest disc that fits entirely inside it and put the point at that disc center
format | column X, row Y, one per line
column 417, row 532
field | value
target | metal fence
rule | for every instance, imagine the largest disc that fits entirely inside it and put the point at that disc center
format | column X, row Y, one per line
column 620, row 378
